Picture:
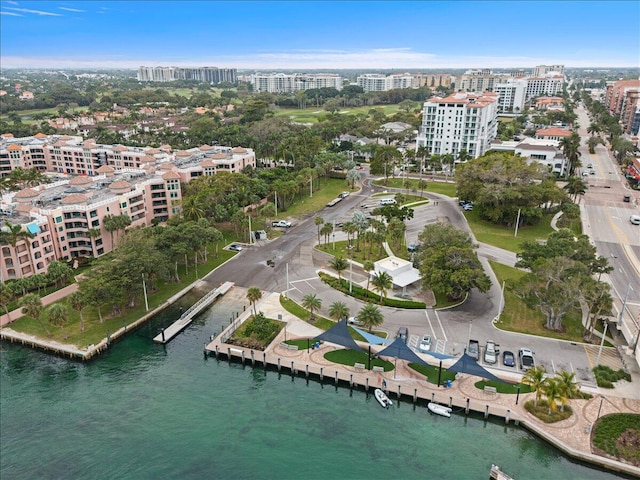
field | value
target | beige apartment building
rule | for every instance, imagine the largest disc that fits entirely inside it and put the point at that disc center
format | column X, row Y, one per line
column 66, row 217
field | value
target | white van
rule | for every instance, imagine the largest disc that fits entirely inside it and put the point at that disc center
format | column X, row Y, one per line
column 388, row 201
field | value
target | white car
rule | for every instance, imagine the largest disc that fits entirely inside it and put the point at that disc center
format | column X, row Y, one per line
column 425, row 343
column 344, row 195
column 354, row 321
column 634, row 219
column 281, row 223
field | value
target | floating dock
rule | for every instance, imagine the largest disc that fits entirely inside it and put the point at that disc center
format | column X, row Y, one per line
column 187, row 317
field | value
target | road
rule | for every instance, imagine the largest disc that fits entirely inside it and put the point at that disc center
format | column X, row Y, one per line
column 605, row 217
column 294, row 257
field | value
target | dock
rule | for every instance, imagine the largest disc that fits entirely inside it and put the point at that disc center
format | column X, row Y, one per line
column 187, row 317
column 497, row 474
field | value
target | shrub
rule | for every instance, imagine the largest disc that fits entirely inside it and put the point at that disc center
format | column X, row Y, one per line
column 361, row 293
column 542, row 411
column 257, row 332
column 606, row 376
column 618, row 434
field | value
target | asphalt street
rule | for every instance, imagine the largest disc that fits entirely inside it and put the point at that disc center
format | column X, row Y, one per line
column 292, row 257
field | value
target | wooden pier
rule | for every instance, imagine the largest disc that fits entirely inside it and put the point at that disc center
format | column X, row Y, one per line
column 187, row 317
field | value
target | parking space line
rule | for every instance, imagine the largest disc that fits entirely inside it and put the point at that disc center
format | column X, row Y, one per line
column 426, row 314
column 444, row 334
column 586, row 352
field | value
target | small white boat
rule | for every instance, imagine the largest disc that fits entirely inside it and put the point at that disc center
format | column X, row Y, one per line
column 382, row 398
column 439, row 409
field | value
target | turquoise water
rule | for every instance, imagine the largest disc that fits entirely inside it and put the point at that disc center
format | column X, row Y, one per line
column 144, row 411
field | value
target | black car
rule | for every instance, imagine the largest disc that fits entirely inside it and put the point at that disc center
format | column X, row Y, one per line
column 508, row 359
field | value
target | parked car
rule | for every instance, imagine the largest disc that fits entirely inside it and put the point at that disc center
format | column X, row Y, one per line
column 281, row 223
column 525, row 356
column 473, row 350
column 235, row 248
column 344, row 195
column 590, row 166
column 634, row 219
column 412, row 248
column 425, row 343
column 403, row 333
column 354, row 321
column 491, row 353
column 626, row 198
column 508, row 360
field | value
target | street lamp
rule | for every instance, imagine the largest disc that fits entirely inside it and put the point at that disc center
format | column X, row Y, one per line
column 600, row 407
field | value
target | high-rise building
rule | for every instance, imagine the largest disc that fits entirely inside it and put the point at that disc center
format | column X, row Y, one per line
column 462, row 121
column 542, row 70
column 200, row 74
column 621, row 98
column 289, row 83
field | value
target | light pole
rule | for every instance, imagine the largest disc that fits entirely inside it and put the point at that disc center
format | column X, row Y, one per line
column 144, row 288
column 604, row 334
column 600, row 407
column 624, row 306
column 350, row 275
column 515, row 234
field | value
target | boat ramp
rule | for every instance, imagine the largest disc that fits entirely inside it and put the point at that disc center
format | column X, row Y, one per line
column 187, row 317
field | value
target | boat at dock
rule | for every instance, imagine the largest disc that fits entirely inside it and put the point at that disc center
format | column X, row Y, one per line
column 439, row 409
column 382, row 398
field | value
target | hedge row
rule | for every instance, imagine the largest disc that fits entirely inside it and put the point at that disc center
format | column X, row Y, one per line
column 606, row 376
column 361, row 293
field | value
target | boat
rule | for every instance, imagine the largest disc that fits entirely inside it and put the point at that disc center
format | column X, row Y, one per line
column 382, row 398
column 439, row 409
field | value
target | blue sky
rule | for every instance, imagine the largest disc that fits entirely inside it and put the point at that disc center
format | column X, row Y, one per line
column 326, row 35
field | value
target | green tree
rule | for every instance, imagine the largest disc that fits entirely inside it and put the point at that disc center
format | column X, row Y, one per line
column 382, row 282
column 568, row 386
column 78, row 303
column 58, row 272
column 553, row 392
column 339, row 264
column 534, row 377
column 193, row 208
column 338, row 311
column 6, row 296
column 368, row 266
column 352, row 177
column 576, row 186
column 312, row 303
column 319, row 222
column 254, row 294
column 370, row 316
column 32, row 307
column 57, row 314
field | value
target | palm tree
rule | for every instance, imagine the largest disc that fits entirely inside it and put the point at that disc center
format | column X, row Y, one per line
column 338, row 310
column 78, row 302
column 370, row 316
column 339, row 264
column 6, row 295
column 368, row 267
column 57, row 314
column 534, row 377
column 311, row 303
column 318, row 221
column 193, row 208
column 254, row 294
column 570, row 146
column 32, row 307
column 575, row 186
column 350, row 229
column 326, row 230
column 552, row 390
column 569, row 388
column 382, row 282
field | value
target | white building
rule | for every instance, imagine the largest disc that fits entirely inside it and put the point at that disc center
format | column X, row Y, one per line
column 545, row 152
column 377, row 82
column 547, row 85
column 286, row 83
column 462, row 121
column 511, row 95
column 542, row 70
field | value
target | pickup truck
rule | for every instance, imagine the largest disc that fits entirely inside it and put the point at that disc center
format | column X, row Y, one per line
column 491, row 353
column 281, row 223
column 473, row 350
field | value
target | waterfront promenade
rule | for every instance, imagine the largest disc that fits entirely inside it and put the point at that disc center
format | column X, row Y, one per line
column 572, row 435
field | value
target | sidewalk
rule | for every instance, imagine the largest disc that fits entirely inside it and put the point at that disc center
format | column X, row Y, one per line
column 572, row 436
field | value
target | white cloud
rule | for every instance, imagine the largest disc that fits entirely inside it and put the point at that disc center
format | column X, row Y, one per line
column 11, row 14
column 71, row 9
column 386, row 58
column 36, row 12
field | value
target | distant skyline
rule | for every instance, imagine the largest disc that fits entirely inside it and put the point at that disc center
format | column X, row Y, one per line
column 319, row 35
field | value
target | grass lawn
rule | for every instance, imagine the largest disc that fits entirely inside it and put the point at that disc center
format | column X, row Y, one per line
column 351, row 357
column 313, row 114
column 305, row 205
column 411, row 184
column 431, row 373
column 503, row 237
column 517, row 317
column 96, row 331
column 502, row 387
column 361, row 256
column 618, row 434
